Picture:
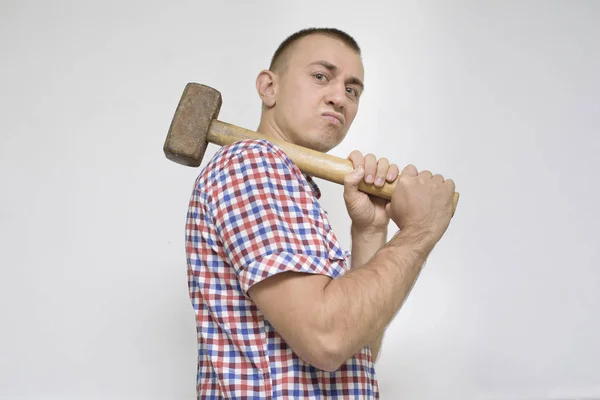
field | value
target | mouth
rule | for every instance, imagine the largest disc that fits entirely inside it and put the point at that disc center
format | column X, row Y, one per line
column 334, row 118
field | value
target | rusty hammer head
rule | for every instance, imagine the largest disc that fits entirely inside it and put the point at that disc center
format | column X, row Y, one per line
column 187, row 138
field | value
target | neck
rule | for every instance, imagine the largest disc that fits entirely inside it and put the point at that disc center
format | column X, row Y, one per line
column 269, row 128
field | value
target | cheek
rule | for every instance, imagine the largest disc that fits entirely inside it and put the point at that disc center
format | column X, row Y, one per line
column 352, row 111
column 302, row 107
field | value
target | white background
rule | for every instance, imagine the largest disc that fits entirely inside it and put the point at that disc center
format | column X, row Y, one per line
column 501, row 96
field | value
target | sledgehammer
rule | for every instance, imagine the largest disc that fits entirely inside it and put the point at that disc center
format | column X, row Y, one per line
column 195, row 124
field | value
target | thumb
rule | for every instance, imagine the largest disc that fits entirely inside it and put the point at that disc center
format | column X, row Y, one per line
column 353, row 179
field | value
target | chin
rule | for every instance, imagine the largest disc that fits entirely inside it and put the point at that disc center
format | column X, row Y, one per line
column 331, row 144
column 324, row 147
column 322, row 140
column 319, row 142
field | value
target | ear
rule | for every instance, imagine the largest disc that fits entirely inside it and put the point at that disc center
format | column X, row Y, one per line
column 266, row 86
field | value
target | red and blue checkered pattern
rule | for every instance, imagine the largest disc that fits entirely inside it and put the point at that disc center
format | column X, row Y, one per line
column 253, row 214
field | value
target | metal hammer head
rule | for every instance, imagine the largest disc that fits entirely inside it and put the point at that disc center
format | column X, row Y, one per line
column 187, row 138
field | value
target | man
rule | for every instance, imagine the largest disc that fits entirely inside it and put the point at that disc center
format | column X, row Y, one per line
column 279, row 312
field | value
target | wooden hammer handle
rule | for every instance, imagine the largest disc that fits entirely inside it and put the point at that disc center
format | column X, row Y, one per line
column 311, row 162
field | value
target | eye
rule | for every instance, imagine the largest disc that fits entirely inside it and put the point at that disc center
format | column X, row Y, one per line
column 351, row 91
column 320, row 77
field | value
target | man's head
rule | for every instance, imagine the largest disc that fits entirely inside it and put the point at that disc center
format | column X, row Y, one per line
column 310, row 93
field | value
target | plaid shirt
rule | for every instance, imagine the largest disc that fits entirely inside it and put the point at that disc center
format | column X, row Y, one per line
column 252, row 215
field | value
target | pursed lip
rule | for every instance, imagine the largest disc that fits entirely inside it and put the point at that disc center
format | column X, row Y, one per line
column 337, row 116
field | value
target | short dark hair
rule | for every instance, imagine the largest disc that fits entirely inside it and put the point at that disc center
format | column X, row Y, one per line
column 280, row 55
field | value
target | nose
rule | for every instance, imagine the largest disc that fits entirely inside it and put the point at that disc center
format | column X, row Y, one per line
column 336, row 96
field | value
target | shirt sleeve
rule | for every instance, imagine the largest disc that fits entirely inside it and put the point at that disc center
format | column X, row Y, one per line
column 268, row 219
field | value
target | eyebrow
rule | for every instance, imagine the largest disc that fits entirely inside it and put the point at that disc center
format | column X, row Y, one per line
column 353, row 80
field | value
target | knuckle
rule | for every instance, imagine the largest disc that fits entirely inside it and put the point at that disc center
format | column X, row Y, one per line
column 356, row 157
column 350, row 179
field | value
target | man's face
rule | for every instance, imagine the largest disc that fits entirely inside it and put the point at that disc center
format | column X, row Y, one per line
column 318, row 92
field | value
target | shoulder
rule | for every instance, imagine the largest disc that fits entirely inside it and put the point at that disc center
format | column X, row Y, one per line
column 248, row 152
column 245, row 162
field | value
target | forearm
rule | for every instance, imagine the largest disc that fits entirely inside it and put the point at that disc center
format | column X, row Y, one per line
column 375, row 345
column 360, row 304
column 365, row 243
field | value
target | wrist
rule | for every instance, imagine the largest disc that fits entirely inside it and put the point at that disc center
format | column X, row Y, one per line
column 357, row 230
column 416, row 240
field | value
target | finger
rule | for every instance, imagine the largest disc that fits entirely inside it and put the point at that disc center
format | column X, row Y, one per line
column 425, row 174
column 450, row 184
column 382, row 168
column 357, row 158
column 392, row 173
column 410, row 170
column 370, row 168
column 438, row 178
